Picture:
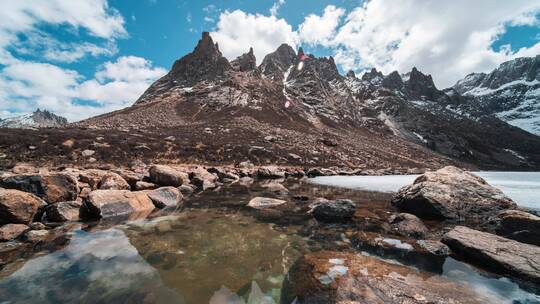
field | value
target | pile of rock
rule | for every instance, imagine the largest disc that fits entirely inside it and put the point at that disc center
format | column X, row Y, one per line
column 455, row 196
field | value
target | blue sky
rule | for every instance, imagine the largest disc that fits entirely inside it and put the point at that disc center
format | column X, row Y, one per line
column 86, row 57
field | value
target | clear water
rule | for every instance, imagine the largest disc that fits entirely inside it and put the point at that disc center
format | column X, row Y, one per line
column 522, row 187
column 213, row 252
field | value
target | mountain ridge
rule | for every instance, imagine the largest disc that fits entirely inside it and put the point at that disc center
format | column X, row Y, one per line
column 293, row 90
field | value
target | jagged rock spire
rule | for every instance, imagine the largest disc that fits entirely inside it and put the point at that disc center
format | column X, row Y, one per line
column 246, row 62
column 275, row 64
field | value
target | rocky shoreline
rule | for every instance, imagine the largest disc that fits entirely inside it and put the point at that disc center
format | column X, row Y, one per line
column 445, row 213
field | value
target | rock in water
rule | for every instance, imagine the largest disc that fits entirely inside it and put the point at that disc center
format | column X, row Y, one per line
column 337, row 277
column 165, row 197
column 408, row 225
column 64, row 211
column 519, row 225
column 12, row 231
column 52, row 188
column 451, row 193
column 500, row 254
column 18, row 207
column 202, row 179
column 109, row 203
column 265, row 203
column 334, row 211
column 167, row 176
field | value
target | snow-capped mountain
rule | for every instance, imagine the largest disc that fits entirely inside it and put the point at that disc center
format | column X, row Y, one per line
column 38, row 119
column 511, row 92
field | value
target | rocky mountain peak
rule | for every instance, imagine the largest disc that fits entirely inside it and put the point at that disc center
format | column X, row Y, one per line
column 393, row 81
column 37, row 119
column 421, row 86
column 205, row 63
column 350, row 74
column 373, row 76
column 274, row 65
column 245, row 62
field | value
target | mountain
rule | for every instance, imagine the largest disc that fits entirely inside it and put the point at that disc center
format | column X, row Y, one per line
column 413, row 108
column 294, row 103
column 37, row 119
column 511, row 92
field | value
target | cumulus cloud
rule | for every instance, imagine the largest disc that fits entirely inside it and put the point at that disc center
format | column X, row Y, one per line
column 320, row 30
column 25, row 86
column 237, row 31
column 118, row 84
column 448, row 39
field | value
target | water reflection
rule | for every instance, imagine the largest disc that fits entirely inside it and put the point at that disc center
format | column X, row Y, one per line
column 93, row 268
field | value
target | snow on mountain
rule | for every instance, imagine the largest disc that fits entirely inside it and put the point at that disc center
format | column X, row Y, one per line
column 38, row 119
column 511, row 92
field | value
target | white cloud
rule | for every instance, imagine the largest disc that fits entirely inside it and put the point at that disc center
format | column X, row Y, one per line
column 448, row 39
column 25, row 86
column 321, row 29
column 237, row 31
column 118, row 84
column 276, row 6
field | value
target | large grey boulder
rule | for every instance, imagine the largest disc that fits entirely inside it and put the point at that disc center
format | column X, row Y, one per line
column 165, row 197
column 339, row 210
column 110, row 203
column 167, row 176
column 497, row 253
column 451, row 193
column 52, row 188
column 407, row 224
column 18, row 207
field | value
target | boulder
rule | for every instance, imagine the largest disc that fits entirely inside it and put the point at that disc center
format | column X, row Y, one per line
column 35, row 236
column 265, row 203
column 451, row 193
column 10, row 232
column 92, row 177
column 408, row 225
column 496, row 253
column 129, row 176
column 270, row 172
column 140, row 186
column 339, row 210
column 186, row 190
column 18, row 207
column 340, row 277
column 63, row 211
column 165, row 197
column 167, row 176
column 428, row 255
column 224, row 175
column 52, row 188
column 519, row 225
column 110, row 203
column 202, row 179
column 113, row 181
column 275, row 188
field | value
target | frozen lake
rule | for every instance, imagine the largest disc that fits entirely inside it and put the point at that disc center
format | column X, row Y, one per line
column 522, row 187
